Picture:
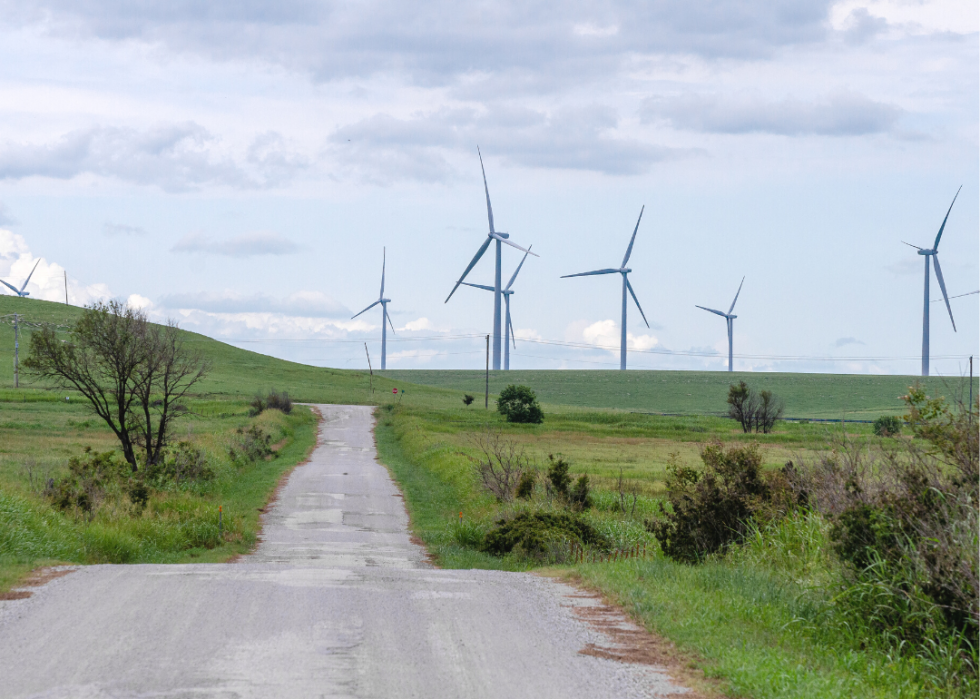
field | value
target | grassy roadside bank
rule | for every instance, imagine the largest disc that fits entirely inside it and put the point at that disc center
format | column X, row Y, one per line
column 179, row 522
column 761, row 624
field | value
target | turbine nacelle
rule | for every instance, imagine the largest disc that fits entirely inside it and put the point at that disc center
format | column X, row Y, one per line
column 928, row 252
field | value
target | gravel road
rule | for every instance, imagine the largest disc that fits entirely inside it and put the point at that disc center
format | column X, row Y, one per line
column 336, row 602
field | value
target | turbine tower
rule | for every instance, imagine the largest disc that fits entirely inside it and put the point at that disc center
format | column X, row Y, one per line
column 507, row 292
column 21, row 292
column 384, row 317
column 729, row 317
column 626, row 287
column 933, row 252
column 498, row 237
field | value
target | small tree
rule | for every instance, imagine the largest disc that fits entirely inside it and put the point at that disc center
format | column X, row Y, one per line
column 133, row 373
column 769, row 408
column 887, row 426
column 519, row 404
column 467, row 399
column 741, row 405
column 501, row 465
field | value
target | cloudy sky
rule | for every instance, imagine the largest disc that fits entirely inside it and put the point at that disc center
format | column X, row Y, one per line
column 239, row 166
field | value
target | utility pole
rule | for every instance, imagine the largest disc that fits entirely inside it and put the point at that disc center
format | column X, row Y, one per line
column 16, row 351
column 370, row 370
column 486, row 395
column 970, row 408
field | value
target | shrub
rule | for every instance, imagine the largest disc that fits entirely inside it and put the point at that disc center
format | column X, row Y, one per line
column 181, row 464
column 249, row 445
column 579, row 497
column 887, row 426
column 274, row 401
column 467, row 399
column 519, row 404
column 89, row 480
column 558, row 478
column 754, row 411
column 501, row 464
column 525, row 486
column 533, row 533
column 256, row 406
column 713, row 509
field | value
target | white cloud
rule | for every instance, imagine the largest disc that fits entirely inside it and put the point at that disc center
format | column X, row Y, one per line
column 48, row 280
column 306, row 304
column 419, row 325
column 606, row 333
column 139, row 302
column 245, row 245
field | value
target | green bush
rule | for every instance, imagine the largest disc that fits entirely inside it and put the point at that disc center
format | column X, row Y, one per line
column 250, row 445
column 558, row 477
column 535, row 532
column 525, row 487
column 887, row 426
column 88, row 483
column 579, row 497
column 713, row 509
column 183, row 463
column 520, row 404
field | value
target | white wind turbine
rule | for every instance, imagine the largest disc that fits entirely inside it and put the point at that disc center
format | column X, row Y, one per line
column 20, row 291
column 384, row 317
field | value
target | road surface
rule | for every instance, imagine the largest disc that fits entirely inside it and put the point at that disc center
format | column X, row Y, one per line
column 336, row 602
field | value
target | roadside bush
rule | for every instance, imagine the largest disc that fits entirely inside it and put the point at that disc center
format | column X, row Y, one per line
column 250, row 445
column 753, row 411
column 90, row 480
column 519, row 404
column 887, row 426
column 525, row 486
column 273, row 401
column 712, row 509
column 184, row 463
column 535, row 533
column 558, row 478
column 467, row 399
column 501, row 464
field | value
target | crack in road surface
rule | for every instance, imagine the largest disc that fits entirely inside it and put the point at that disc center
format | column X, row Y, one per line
column 335, row 602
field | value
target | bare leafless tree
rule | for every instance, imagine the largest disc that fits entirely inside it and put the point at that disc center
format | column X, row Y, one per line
column 133, row 373
column 501, row 463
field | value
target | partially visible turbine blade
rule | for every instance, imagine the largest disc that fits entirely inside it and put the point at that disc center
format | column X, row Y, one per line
column 629, row 250
column 511, row 282
column 10, row 286
column 513, row 245
column 511, row 326
column 636, row 301
column 587, row 274
column 711, row 310
column 471, row 265
column 485, row 189
column 383, row 260
column 367, row 309
column 479, row 286
column 736, row 296
column 388, row 317
column 30, row 275
column 912, row 246
column 942, row 285
column 940, row 233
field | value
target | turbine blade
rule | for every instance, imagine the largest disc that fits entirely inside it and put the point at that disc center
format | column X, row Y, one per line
column 940, row 233
column 10, row 286
column 513, row 245
column 513, row 339
column 30, row 275
column 587, row 274
column 711, row 310
column 511, row 282
column 912, row 246
column 736, row 296
column 384, row 255
column 367, row 309
column 942, row 285
column 471, row 265
column 388, row 317
column 635, row 300
column 485, row 189
column 479, row 286
column 629, row 250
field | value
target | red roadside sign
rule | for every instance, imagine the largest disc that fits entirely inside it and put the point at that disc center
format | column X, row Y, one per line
column 394, row 390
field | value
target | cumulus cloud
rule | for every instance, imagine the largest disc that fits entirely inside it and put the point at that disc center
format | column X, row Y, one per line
column 606, row 333
column 308, row 304
column 421, row 324
column 436, row 42
column 382, row 147
column 113, row 230
column 839, row 114
column 48, row 280
column 174, row 157
column 246, row 245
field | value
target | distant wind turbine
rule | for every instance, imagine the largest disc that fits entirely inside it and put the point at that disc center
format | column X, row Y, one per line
column 507, row 292
column 21, row 292
column 384, row 310
column 498, row 237
column 729, row 317
column 933, row 252
column 626, row 287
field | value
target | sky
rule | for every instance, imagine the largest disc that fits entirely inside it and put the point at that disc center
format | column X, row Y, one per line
column 242, row 168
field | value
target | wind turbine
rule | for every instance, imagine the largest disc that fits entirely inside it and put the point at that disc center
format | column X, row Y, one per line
column 933, row 252
column 384, row 309
column 508, row 326
column 498, row 237
column 21, row 292
column 626, row 287
column 729, row 317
